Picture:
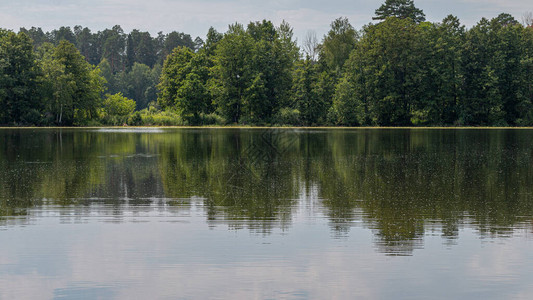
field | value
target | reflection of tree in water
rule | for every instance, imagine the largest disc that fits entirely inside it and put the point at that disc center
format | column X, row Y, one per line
column 39, row 165
column 406, row 181
column 241, row 193
column 399, row 183
column 72, row 168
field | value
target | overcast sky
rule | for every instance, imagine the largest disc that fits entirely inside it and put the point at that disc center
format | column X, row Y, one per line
column 195, row 17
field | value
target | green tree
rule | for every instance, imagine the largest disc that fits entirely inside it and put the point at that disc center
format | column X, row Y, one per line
column 325, row 89
column 74, row 86
column 506, row 61
column 213, row 37
column 400, row 9
column 305, row 95
column 270, row 69
column 116, row 109
column 525, row 106
column 86, row 44
column 253, row 71
column 110, row 78
column 198, row 44
column 173, row 40
column 482, row 103
column 36, row 34
column 19, row 95
column 62, row 34
column 151, row 91
column 384, row 72
column 442, row 72
column 288, row 54
column 113, row 42
column 140, row 48
column 337, row 45
column 183, row 84
column 192, row 98
column 231, row 72
column 332, row 55
column 58, row 86
column 136, row 83
column 175, row 70
column 346, row 109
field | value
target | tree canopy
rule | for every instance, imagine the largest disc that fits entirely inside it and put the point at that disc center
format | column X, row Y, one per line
column 401, row 9
column 19, row 99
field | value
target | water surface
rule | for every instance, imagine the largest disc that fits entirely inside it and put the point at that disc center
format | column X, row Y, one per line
column 266, row 213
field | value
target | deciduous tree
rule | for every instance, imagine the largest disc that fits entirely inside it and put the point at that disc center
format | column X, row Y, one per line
column 400, row 9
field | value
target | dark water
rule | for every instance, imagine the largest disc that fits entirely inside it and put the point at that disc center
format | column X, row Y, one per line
column 266, row 214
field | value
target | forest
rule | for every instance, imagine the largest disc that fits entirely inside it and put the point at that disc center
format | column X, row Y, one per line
column 399, row 70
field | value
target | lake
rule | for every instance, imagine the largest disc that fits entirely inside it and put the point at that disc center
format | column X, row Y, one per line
column 166, row 213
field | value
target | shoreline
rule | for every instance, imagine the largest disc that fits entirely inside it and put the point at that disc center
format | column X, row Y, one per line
column 267, row 127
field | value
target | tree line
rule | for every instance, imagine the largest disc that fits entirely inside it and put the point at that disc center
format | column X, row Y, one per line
column 399, row 71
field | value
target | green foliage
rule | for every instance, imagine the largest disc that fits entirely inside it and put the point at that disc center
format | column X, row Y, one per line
column 120, row 49
column 151, row 117
column 384, row 71
column 212, row 119
column 86, row 42
column 506, row 62
column 213, row 37
column 107, row 73
column 253, row 71
column 183, row 84
column 400, row 9
column 62, row 34
column 338, row 44
column 175, row 70
column 401, row 71
column 139, row 84
column 442, row 72
column 135, row 119
column 525, row 106
column 306, row 96
column 333, row 53
column 72, row 87
column 118, row 110
column 288, row 116
column 231, row 72
column 347, row 108
column 19, row 93
column 36, row 34
column 172, row 41
column 118, row 105
column 492, row 73
column 113, row 45
column 140, row 48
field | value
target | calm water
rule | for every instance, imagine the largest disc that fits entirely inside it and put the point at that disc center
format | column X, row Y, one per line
column 266, row 214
